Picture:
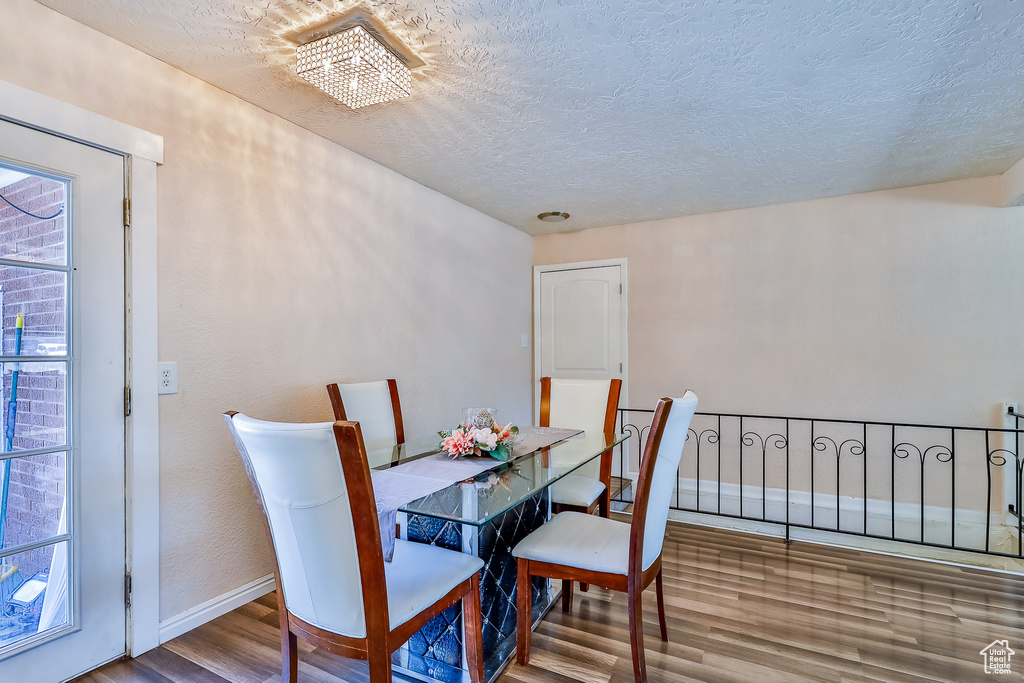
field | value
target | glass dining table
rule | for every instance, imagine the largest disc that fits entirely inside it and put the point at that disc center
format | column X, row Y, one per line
column 485, row 516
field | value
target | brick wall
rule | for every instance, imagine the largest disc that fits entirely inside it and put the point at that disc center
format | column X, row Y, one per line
column 37, row 486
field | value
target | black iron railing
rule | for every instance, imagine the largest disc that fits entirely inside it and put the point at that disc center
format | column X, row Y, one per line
column 942, row 486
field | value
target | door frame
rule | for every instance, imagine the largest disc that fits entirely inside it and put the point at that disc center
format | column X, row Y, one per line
column 143, row 152
column 624, row 322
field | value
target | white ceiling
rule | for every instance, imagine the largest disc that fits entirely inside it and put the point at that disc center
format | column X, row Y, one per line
column 619, row 111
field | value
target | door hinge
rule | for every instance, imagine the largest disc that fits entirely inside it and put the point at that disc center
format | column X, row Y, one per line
column 128, row 589
column 620, row 368
column 127, row 212
column 620, row 288
column 127, row 401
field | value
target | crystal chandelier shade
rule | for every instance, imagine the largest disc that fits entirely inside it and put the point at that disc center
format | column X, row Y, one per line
column 354, row 68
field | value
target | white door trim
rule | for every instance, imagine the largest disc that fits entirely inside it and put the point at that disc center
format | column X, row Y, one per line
column 142, row 438
column 580, row 265
column 29, row 108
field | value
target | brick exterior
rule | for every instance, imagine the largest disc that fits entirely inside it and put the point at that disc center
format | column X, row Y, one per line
column 37, row 486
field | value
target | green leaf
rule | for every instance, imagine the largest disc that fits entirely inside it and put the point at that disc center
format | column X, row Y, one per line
column 500, row 453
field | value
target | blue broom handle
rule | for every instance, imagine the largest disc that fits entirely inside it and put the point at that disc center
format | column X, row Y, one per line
column 12, row 412
column 12, row 405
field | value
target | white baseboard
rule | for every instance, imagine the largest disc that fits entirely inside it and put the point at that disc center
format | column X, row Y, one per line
column 211, row 609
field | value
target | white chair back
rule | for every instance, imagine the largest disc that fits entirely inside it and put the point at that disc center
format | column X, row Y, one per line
column 579, row 404
column 663, row 478
column 297, row 470
column 369, row 404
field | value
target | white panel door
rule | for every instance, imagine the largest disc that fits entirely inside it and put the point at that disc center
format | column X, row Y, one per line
column 62, row 461
column 580, row 331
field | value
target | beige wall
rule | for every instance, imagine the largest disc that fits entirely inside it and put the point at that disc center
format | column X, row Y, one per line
column 285, row 262
column 905, row 305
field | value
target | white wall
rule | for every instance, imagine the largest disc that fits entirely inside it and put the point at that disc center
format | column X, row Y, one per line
column 904, row 305
column 285, row 262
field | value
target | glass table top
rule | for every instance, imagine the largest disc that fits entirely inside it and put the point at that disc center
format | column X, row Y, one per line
column 502, row 487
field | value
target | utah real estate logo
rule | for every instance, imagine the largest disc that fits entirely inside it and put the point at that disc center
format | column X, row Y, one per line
column 997, row 657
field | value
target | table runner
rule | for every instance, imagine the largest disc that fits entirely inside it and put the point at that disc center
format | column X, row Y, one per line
column 396, row 486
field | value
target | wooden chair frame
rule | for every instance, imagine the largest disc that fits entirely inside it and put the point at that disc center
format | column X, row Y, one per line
column 632, row 584
column 603, row 502
column 396, row 407
column 380, row 640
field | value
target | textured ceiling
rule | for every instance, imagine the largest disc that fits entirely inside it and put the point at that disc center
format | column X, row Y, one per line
column 619, row 111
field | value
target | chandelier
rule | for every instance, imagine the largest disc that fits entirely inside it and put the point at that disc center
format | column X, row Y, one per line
column 354, row 67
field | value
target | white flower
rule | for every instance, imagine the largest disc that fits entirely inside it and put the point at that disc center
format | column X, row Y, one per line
column 485, row 439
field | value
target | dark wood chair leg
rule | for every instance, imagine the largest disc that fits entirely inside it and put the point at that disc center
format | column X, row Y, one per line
column 289, row 654
column 566, row 595
column 661, row 605
column 602, row 508
column 380, row 668
column 378, row 656
column 605, row 499
column 524, row 610
column 636, row 634
column 474, row 631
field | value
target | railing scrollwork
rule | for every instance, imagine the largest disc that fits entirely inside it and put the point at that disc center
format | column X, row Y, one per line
column 942, row 453
column 821, row 444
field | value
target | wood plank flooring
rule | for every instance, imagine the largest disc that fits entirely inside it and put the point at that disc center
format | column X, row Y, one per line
column 740, row 607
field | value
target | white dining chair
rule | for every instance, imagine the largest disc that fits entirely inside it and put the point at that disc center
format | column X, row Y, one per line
column 590, row 405
column 334, row 589
column 616, row 555
column 375, row 406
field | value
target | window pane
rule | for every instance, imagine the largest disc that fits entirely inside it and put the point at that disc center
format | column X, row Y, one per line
column 40, row 296
column 35, row 498
column 41, row 417
column 27, row 231
column 33, row 593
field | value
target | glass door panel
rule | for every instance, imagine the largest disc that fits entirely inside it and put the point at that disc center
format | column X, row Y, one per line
column 34, row 593
column 35, row 500
column 34, row 470
column 35, row 222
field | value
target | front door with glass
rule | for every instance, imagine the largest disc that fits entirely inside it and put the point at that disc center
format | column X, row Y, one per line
column 62, row 529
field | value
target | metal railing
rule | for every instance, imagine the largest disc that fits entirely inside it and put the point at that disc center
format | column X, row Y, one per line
column 941, row 486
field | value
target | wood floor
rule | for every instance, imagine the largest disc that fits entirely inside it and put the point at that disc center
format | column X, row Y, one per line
column 740, row 608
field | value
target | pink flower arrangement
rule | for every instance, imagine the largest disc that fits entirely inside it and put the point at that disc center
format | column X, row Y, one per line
column 459, row 442
column 495, row 441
